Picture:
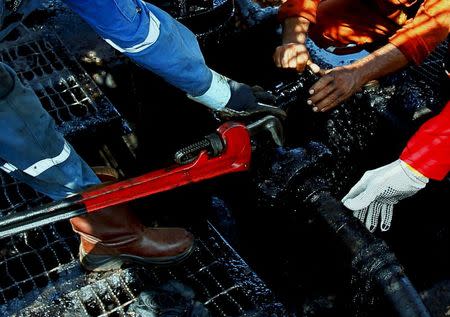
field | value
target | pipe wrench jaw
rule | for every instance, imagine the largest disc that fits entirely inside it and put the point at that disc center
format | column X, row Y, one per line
column 269, row 127
column 214, row 144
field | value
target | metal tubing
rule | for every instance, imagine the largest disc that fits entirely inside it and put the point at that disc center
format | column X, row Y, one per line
column 270, row 124
column 372, row 256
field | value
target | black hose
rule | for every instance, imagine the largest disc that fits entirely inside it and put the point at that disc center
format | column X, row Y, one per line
column 254, row 14
column 371, row 255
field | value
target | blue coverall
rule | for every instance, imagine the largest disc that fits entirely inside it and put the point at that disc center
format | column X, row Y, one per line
column 31, row 149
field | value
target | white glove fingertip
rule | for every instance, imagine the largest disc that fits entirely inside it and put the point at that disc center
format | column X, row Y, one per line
column 373, row 214
column 386, row 218
column 385, row 227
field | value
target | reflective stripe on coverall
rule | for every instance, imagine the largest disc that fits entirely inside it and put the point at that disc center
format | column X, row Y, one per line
column 31, row 149
column 151, row 37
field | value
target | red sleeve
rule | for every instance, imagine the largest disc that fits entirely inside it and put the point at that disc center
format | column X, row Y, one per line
column 419, row 36
column 428, row 151
column 299, row 8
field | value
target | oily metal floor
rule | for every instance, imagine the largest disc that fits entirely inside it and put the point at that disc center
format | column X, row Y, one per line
column 63, row 87
column 39, row 270
column 217, row 275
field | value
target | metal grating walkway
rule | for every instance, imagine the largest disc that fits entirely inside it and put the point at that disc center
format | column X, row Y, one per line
column 219, row 278
column 64, row 88
column 40, row 274
column 32, row 260
column 39, row 270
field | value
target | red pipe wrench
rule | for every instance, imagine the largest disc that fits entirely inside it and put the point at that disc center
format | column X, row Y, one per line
column 227, row 151
column 234, row 158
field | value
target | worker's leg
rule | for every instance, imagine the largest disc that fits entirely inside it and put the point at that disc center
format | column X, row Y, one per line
column 151, row 37
column 31, row 149
column 342, row 23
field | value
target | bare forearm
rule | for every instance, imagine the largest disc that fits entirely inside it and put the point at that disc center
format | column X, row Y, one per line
column 295, row 30
column 384, row 61
column 293, row 53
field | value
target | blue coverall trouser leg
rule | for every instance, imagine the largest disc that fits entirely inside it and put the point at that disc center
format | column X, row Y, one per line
column 31, row 149
column 151, row 38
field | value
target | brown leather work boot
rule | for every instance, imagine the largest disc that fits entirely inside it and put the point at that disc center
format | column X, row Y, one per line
column 114, row 236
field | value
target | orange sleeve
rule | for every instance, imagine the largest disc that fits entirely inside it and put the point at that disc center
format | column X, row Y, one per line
column 419, row 36
column 299, row 8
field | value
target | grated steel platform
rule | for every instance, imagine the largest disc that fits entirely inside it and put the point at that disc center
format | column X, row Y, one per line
column 217, row 275
column 64, row 88
column 40, row 273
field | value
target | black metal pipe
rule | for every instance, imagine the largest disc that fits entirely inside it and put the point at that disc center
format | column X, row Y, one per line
column 37, row 217
column 370, row 255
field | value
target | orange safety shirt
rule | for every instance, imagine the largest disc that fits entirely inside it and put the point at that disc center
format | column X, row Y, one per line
column 416, row 36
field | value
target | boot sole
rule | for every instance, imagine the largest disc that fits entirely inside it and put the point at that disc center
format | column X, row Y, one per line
column 100, row 263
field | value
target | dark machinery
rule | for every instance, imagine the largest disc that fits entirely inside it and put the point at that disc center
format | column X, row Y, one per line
column 293, row 211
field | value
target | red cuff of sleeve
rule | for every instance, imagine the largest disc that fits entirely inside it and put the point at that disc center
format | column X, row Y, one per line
column 428, row 151
column 298, row 8
column 426, row 166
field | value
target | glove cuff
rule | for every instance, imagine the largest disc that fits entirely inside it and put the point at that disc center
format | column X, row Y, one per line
column 218, row 93
column 413, row 173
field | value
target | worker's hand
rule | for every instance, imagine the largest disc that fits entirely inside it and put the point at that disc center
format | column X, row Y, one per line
column 334, row 87
column 293, row 53
column 246, row 101
column 294, row 56
column 375, row 195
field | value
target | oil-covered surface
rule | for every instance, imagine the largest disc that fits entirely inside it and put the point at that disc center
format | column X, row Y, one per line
column 219, row 278
column 63, row 87
column 264, row 213
column 203, row 17
column 41, row 275
column 314, row 273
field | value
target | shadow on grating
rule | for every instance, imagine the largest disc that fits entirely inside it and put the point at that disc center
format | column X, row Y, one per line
column 63, row 87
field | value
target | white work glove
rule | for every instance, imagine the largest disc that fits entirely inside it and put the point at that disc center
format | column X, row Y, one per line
column 377, row 192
